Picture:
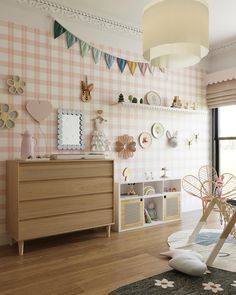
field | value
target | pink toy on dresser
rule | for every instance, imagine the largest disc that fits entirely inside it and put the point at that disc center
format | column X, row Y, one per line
column 27, row 146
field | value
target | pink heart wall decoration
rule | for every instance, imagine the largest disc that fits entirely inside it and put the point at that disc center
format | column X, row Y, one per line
column 39, row 109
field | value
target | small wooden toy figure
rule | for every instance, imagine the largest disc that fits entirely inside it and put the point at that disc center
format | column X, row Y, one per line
column 176, row 102
column 131, row 190
column 86, row 90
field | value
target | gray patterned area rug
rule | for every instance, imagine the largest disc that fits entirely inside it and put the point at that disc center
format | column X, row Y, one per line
column 215, row 281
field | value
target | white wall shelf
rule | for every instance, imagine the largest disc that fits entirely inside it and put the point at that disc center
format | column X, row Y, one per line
column 161, row 108
column 130, row 209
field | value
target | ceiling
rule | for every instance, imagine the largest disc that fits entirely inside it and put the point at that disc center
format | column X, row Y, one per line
column 221, row 14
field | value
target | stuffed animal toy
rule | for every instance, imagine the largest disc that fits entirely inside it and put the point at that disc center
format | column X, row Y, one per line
column 186, row 261
column 152, row 210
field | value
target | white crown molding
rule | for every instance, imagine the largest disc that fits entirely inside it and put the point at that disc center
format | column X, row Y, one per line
column 102, row 22
column 222, row 48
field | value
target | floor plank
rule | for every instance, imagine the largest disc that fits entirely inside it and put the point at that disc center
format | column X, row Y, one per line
column 87, row 262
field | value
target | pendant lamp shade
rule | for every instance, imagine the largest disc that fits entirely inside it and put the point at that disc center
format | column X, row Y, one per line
column 175, row 32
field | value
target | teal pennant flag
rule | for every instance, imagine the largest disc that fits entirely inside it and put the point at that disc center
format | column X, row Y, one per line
column 58, row 29
column 96, row 55
column 109, row 60
column 84, row 48
column 121, row 64
column 70, row 39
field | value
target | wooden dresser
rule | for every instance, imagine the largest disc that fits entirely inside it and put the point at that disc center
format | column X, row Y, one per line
column 47, row 198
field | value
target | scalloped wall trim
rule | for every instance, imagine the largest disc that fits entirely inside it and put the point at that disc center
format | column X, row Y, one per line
column 222, row 48
column 103, row 23
column 221, row 76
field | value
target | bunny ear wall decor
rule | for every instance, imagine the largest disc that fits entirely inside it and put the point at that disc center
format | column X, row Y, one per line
column 172, row 139
column 86, row 90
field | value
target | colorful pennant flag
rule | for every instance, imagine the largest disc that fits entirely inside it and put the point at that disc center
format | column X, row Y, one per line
column 121, row 64
column 142, row 67
column 109, row 60
column 132, row 66
column 96, row 55
column 58, row 29
column 84, row 48
column 70, row 39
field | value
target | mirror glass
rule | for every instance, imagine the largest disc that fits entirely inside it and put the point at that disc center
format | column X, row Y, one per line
column 70, row 129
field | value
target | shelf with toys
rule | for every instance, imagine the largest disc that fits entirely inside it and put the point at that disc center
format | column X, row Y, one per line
column 147, row 203
column 155, row 104
column 161, row 108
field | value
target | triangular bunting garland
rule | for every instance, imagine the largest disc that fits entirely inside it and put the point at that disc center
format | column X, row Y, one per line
column 70, row 39
column 142, row 67
column 58, row 29
column 151, row 68
column 96, row 55
column 121, row 64
column 109, row 60
column 84, row 48
column 132, row 66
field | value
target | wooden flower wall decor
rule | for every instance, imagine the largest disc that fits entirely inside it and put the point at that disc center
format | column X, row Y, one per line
column 7, row 116
column 125, row 146
column 16, row 85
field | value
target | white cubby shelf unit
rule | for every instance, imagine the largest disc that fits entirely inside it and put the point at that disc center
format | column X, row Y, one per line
column 164, row 195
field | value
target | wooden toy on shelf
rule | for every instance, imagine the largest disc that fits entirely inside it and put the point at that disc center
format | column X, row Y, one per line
column 131, row 190
column 176, row 102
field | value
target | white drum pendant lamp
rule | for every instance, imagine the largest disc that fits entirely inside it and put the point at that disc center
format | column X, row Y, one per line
column 175, row 32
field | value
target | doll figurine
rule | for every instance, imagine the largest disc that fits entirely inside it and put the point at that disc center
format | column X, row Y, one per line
column 219, row 186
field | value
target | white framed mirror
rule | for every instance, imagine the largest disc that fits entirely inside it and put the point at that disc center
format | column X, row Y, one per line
column 70, row 130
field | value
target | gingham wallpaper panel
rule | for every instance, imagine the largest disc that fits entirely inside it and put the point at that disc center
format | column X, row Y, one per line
column 53, row 72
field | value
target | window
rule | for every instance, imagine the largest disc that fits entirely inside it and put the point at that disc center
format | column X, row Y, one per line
column 224, row 139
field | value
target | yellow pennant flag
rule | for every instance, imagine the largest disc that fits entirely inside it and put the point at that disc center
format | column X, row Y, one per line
column 132, row 66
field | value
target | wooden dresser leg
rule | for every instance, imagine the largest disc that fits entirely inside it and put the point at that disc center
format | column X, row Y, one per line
column 108, row 231
column 21, row 247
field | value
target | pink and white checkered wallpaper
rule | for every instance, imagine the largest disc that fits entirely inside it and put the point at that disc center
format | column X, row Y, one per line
column 53, row 72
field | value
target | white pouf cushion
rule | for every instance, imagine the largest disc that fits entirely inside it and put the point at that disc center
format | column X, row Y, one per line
column 186, row 261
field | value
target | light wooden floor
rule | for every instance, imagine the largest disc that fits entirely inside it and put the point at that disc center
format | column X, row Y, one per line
column 88, row 262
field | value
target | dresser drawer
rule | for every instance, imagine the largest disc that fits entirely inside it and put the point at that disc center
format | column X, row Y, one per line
column 54, row 170
column 45, row 189
column 64, row 205
column 41, row 227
